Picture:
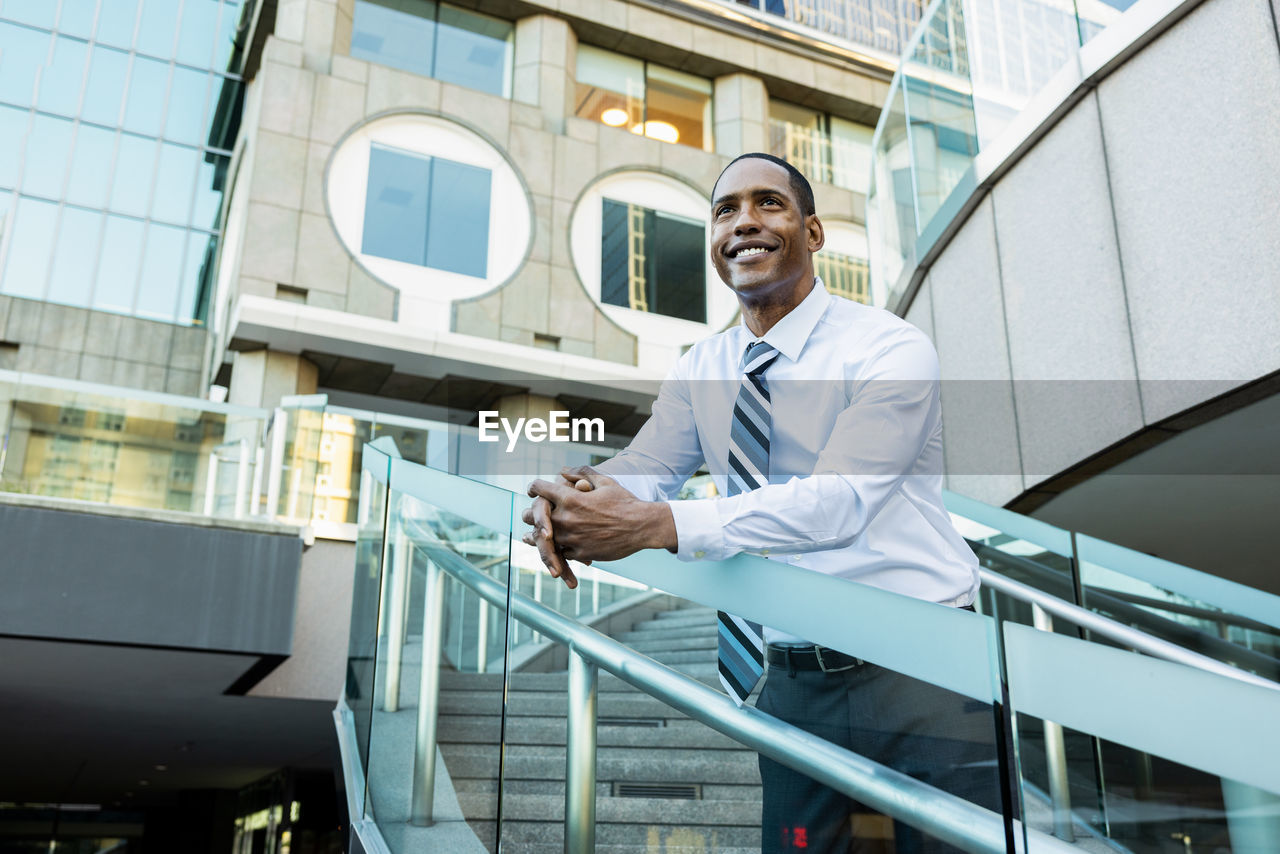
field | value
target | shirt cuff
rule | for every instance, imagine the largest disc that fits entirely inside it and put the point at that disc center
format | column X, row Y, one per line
column 699, row 535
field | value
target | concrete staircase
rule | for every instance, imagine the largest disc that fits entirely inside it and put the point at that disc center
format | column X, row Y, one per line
column 665, row 784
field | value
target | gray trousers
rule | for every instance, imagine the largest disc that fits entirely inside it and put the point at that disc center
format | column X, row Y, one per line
column 940, row 737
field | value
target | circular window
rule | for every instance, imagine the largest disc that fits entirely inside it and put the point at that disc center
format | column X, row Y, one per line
column 639, row 244
column 430, row 208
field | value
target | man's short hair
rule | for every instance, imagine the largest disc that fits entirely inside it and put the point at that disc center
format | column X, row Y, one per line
column 799, row 184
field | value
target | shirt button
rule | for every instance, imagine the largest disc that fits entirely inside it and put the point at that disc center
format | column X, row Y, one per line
column 699, row 554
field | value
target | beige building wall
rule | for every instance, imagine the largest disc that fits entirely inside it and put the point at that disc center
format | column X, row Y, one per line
column 308, row 94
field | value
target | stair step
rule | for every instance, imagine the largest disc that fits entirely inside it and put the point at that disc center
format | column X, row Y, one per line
column 468, row 729
column 681, row 656
column 648, row 630
column 633, row 704
column 642, row 811
column 555, row 788
column 522, row 837
column 450, row 680
column 529, row 762
column 650, row 645
column 706, row 621
column 691, row 611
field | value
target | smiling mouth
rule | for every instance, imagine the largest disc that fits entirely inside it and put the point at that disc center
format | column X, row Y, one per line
column 748, row 253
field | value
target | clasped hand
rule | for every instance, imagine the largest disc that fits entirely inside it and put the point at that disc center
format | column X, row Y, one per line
column 588, row 516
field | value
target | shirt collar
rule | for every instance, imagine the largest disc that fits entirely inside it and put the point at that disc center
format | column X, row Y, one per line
column 788, row 335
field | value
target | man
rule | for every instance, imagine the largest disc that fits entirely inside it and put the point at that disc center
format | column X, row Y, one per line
column 819, row 419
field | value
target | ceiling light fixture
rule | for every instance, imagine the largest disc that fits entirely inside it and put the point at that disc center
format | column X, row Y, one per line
column 664, row 131
column 614, row 117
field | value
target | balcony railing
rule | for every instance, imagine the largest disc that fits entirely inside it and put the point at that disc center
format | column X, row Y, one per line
column 1187, row 731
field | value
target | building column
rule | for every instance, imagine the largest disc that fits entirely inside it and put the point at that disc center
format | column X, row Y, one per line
column 545, row 66
column 741, row 115
column 262, row 377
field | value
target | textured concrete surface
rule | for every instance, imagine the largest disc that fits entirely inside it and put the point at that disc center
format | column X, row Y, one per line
column 1074, row 379
column 979, row 424
column 1190, row 125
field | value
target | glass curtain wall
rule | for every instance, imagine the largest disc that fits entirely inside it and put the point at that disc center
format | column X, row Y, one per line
column 111, row 180
column 436, row 40
column 646, row 99
column 652, row 261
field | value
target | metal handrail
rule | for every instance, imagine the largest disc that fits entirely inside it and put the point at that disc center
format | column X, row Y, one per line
column 1105, row 600
column 1126, row 635
column 943, row 815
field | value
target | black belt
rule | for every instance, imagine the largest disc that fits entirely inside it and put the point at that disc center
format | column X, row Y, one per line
column 811, row 658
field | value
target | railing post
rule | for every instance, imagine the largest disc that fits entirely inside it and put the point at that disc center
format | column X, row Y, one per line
column 580, row 757
column 398, row 614
column 1055, row 750
column 424, row 744
column 211, row 484
column 242, row 481
column 275, row 465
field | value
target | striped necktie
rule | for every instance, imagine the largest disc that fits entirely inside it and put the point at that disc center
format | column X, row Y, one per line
column 741, row 642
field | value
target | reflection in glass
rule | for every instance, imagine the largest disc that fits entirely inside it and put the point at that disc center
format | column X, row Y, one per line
column 845, row 275
column 209, row 184
column 102, row 97
column 365, row 599
column 76, row 17
column 228, row 20
column 30, row 248
column 458, row 218
column 22, row 52
column 118, row 268
column 74, row 256
column 474, row 50
column 195, row 38
column 427, row 211
column 156, row 27
column 48, row 151
column 117, row 28
column 13, row 129
column 395, row 210
column 161, row 268
column 175, row 183
column 401, row 35
column 60, row 79
column 435, row 40
column 197, row 278
column 91, row 166
column 145, row 104
column 185, row 120
column 653, row 261
column 135, row 160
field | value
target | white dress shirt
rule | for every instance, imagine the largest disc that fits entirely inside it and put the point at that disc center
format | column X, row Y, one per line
column 855, row 462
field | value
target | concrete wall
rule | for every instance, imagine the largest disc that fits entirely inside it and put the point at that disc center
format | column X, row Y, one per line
column 145, row 577
column 83, row 344
column 1124, row 269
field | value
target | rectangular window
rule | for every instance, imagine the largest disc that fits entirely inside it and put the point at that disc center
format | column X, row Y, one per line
column 427, row 211
column 653, row 261
column 826, row 148
column 436, row 40
column 844, row 275
column 647, row 99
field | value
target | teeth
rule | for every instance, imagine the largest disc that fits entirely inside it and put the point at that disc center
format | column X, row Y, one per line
column 753, row 251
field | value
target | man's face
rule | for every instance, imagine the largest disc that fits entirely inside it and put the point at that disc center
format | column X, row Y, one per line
column 761, row 240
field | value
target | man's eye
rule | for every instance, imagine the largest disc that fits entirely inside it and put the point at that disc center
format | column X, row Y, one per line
column 723, row 210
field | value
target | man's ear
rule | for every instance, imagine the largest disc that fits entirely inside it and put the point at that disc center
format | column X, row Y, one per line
column 817, row 237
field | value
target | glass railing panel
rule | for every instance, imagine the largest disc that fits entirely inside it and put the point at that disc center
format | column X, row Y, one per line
column 897, row 697
column 366, row 599
column 1213, row 616
column 69, row 439
column 292, row 484
column 444, row 632
column 1179, row 749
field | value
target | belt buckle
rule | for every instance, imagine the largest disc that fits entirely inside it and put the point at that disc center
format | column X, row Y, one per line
column 822, row 665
